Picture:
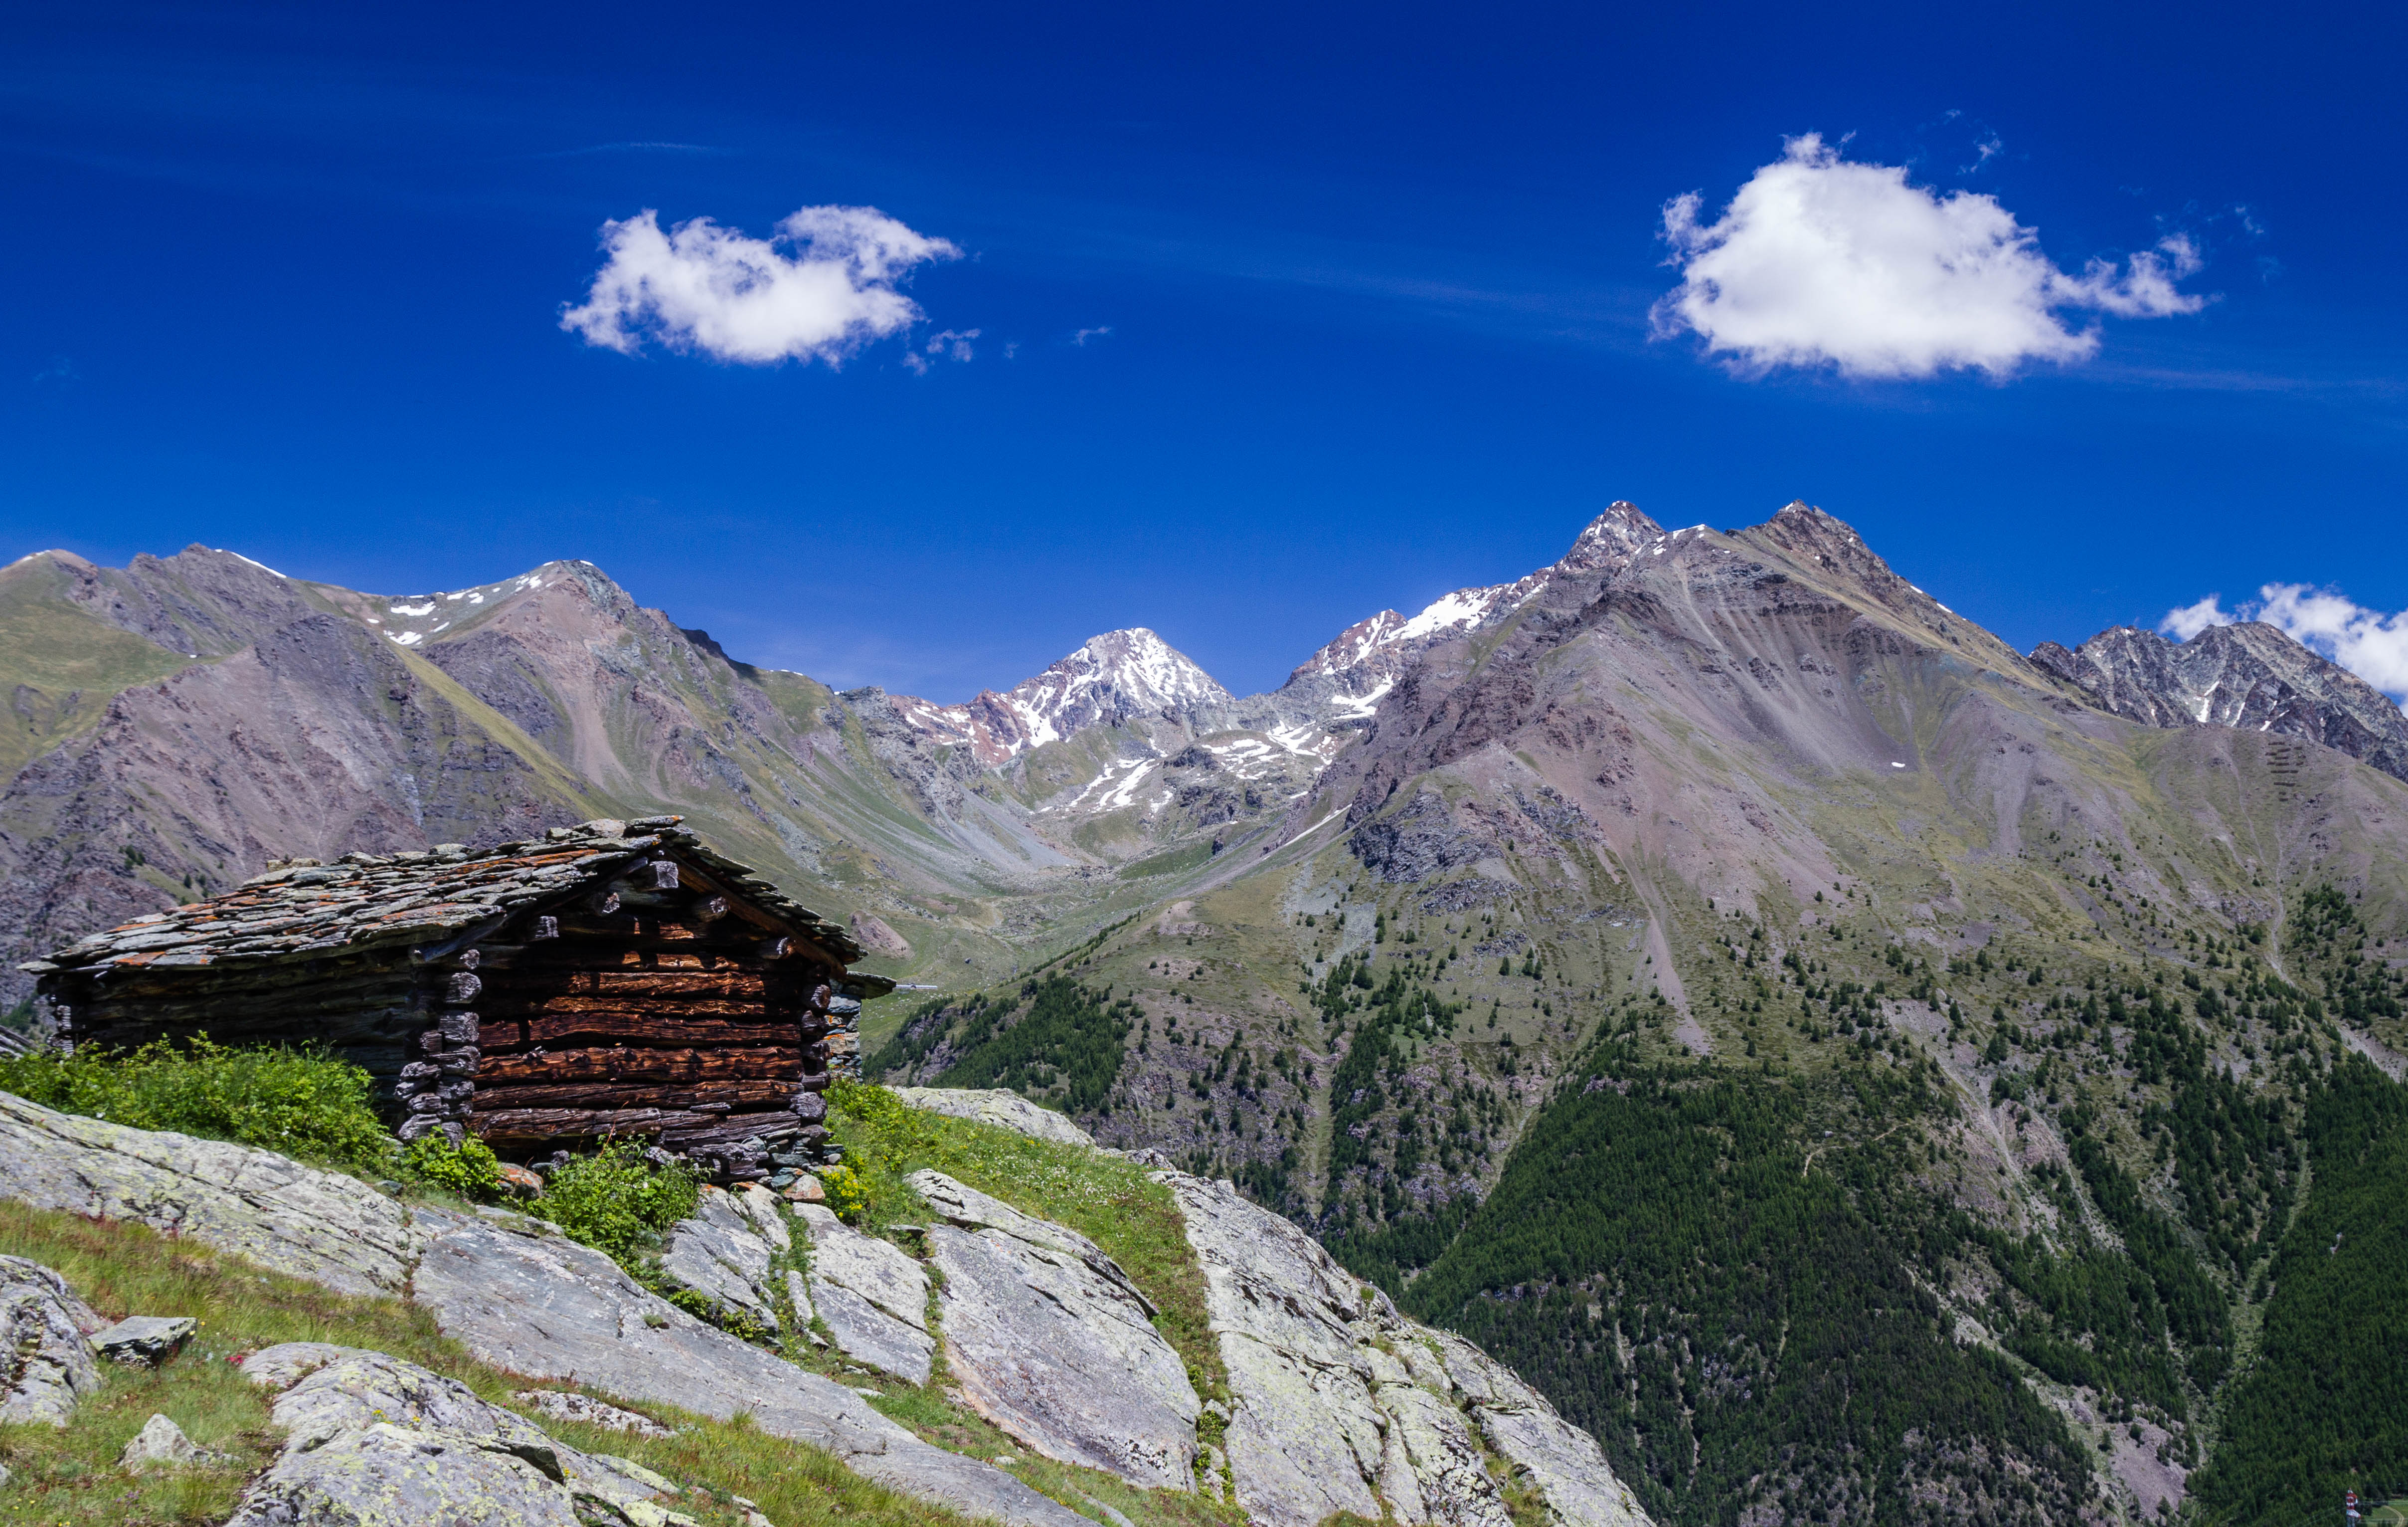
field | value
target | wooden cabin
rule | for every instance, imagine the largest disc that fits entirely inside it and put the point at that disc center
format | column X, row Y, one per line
column 610, row 979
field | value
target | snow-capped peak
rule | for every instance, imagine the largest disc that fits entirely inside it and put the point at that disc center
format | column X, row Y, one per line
column 1110, row 679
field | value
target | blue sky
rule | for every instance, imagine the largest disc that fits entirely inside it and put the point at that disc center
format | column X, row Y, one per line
column 1384, row 291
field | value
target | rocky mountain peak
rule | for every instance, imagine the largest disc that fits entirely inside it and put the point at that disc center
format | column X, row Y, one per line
column 1609, row 540
column 2249, row 675
column 1111, row 678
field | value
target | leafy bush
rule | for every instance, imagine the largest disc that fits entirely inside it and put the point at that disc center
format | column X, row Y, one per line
column 847, row 1195
column 294, row 1101
column 617, row 1202
column 469, row 1169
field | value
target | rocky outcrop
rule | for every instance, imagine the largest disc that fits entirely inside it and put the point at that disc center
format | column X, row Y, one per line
column 46, row 1365
column 873, row 933
column 2248, row 675
column 1004, row 1110
column 870, row 1295
column 372, row 1439
column 1342, row 1405
column 329, row 1229
column 519, row 1296
column 1049, row 1339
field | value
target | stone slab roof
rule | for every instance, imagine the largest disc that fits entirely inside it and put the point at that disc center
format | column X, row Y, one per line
column 303, row 909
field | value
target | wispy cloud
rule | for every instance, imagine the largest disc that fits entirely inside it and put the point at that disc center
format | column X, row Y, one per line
column 1084, row 335
column 706, row 288
column 949, row 345
column 1818, row 261
column 2368, row 642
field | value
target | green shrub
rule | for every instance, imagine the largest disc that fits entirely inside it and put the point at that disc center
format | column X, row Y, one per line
column 617, row 1202
column 469, row 1169
column 847, row 1194
column 298, row 1102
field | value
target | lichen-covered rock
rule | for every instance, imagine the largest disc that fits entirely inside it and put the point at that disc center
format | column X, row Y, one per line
column 1342, row 1405
column 388, row 1475
column 145, row 1341
column 548, row 1308
column 721, row 1255
column 160, row 1444
column 1006, row 1110
column 569, row 1405
column 371, row 1438
column 871, row 1295
column 330, row 1229
column 1048, row 1339
column 46, row 1364
column 1564, row 1461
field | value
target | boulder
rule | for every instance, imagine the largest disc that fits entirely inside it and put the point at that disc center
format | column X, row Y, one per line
column 329, row 1229
column 1005, row 1110
column 46, row 1365
column 548, row 1308
column 1048, row 1339
column 145, row 1341
column 160, row 1444
column 870, row 1295
column 371, row 1438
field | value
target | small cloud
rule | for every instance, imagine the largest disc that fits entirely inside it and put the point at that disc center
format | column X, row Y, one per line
column 951, row 345
column 57, row 374
column 1985, row 151
column 2192, row 619
column 702, row 287
column 1010, row 348
column 1084, row 335
column 2371, row 643
column 1818, row 261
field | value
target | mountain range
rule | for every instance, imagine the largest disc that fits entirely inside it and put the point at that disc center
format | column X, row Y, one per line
column 1860, row 1071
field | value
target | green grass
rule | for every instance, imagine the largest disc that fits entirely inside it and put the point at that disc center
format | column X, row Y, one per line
column 69, row 1474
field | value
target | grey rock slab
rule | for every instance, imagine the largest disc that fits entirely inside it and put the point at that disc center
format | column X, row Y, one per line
column 332, row 1395
column 767, row 1212
column 1063, row 1360
column 551, row 1310
column 160, row 1444
column 1052, row 1341
column 145, row 1341
column 569, row 1405
column 879, row 1271
column 868, row 1334
column 967, row 1207
column 1341, row 1403
column 871, row 1296
column 46, row 1365
column 1005, row 1110
column 388, row 1475
column 329, row 1229
column 1566, row 1464
column 729, row 1267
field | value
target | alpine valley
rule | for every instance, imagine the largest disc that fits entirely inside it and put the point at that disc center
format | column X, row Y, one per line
column 1857, row 1071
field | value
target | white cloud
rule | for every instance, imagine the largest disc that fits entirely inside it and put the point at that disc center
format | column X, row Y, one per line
column 2370, row 643
column 703, row 287
column 949, row 345
column 1081, row 338
column 2192, row 619
column 1817, row 261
